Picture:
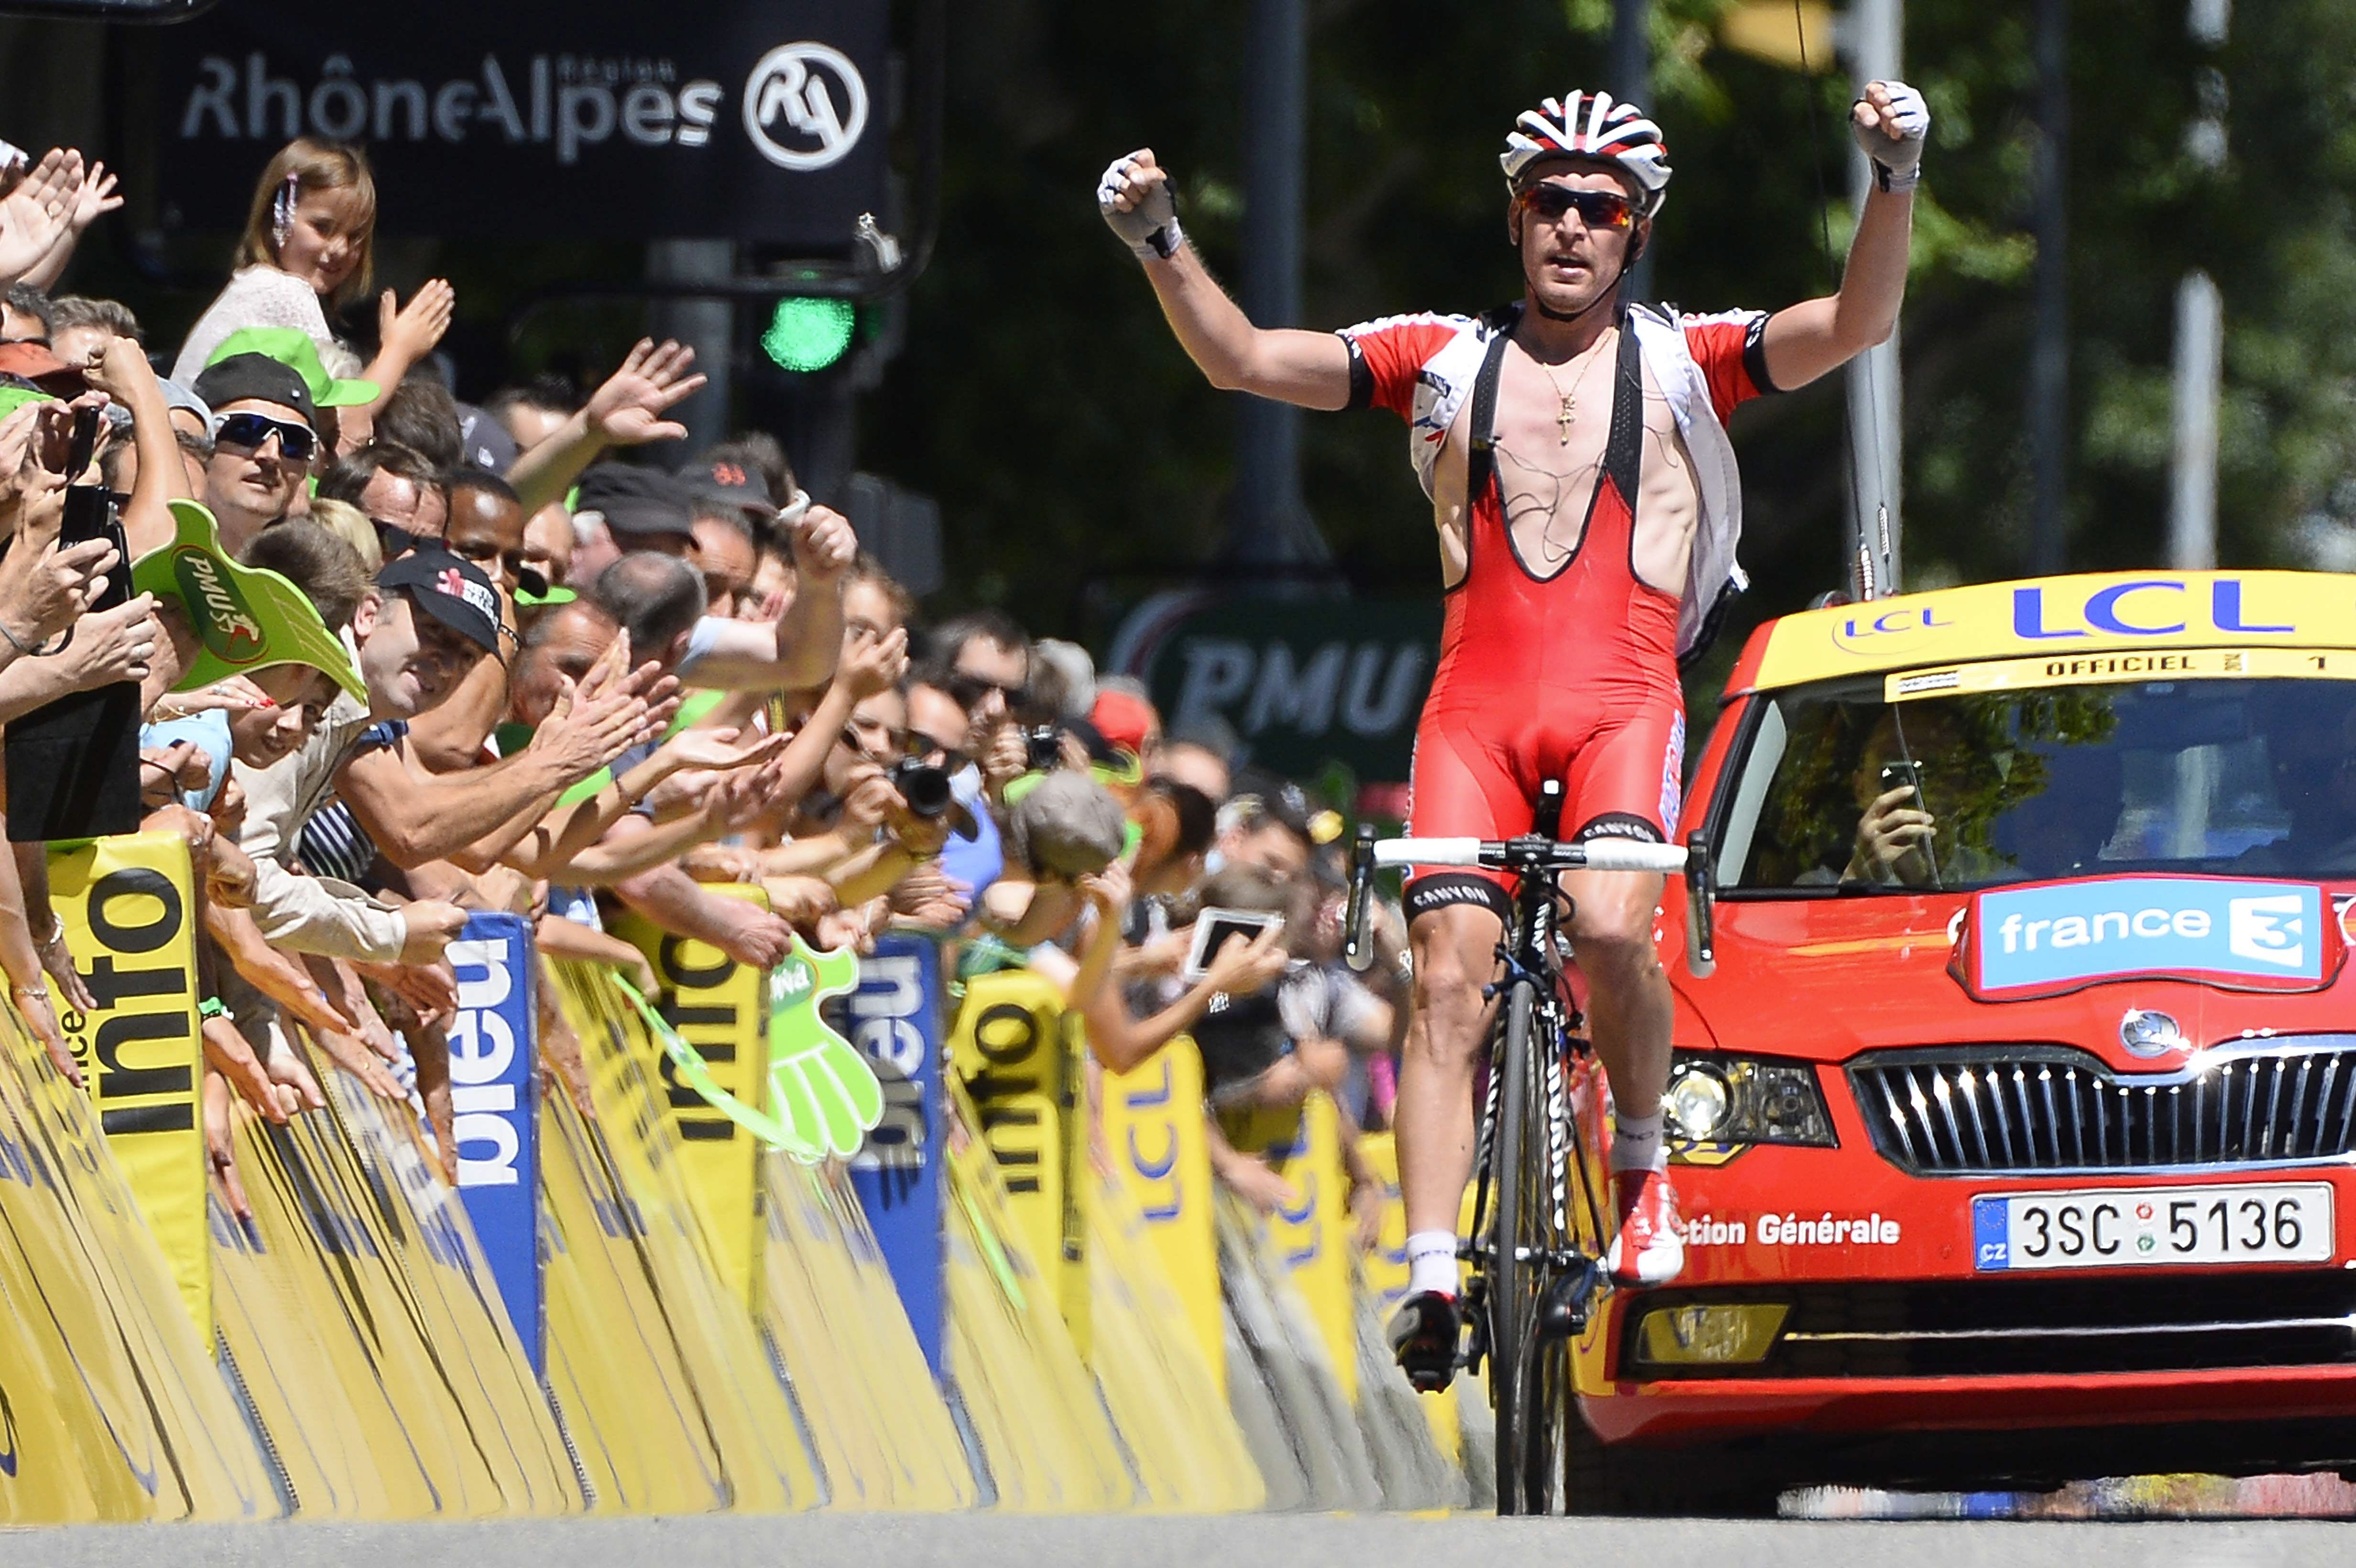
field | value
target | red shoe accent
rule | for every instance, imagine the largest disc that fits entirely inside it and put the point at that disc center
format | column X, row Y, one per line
column 1649, row 1247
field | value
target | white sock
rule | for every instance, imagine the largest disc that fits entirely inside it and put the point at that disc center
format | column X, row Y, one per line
column 1637, row 1143
column 1431, row 1263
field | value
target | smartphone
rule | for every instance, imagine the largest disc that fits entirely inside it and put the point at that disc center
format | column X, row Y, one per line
column 1902, row 775
column 1212, row 929
column 73, row 764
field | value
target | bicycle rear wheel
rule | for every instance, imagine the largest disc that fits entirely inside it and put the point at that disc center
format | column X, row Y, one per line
column 1527, row 1376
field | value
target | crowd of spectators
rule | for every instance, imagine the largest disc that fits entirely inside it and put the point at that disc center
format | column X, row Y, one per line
column 547, row 675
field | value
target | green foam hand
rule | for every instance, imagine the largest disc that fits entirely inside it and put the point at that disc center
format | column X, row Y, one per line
column 820, row 1086
column 689, row 1068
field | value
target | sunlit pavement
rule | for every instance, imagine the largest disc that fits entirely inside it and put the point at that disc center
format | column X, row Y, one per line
column 2120, row 1497
column 2026, row 1539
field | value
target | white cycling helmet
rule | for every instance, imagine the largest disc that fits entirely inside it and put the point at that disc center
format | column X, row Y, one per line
column 1591, row 125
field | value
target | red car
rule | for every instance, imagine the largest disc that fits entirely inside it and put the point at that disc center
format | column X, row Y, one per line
column 2017, row 1115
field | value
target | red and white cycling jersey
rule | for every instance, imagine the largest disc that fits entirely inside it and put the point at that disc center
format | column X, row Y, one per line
column 1422, row 369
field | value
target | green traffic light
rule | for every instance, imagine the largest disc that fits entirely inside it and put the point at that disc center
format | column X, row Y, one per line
column 808, row 334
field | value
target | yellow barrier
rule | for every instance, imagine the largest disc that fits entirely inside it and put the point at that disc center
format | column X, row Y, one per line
column 1188, row 1451
column 740, row 1401
column 717, row 1006
column 388, row 1388
column 129, row 911
column 112, row 1409
column 1018, row 1057
column 1312, row 1236
column 1153, row 1135
column 834, row 1321
column 1035, row 1411
column 1386, row 1271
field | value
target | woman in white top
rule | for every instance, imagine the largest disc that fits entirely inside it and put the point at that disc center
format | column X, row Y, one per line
column 307, row 250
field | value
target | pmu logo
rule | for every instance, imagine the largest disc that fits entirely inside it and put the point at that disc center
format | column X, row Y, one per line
column 805, row 106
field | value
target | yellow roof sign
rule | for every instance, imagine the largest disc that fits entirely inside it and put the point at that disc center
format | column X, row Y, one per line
column 2062, row 617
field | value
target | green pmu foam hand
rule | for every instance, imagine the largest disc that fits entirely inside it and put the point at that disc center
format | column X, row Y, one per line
column 689, row 1068
column 820, row 1086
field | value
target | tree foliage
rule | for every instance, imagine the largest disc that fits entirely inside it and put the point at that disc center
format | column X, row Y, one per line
column 1080, row 460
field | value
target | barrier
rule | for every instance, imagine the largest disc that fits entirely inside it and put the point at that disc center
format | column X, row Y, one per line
column 110, row 1409
column 128, row 902
column 1154, row 1137
column 629, row 1306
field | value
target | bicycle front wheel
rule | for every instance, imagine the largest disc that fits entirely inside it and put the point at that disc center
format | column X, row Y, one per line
column 1526, row 1374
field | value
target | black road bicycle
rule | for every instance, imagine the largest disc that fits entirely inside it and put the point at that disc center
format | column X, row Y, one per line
column 1536, row 1265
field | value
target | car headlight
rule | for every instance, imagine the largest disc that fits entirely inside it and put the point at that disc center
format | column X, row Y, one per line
column 1733, row 1100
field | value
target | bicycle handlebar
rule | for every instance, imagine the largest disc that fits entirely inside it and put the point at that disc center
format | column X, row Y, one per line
column 1595, row 854
column 1531, row 854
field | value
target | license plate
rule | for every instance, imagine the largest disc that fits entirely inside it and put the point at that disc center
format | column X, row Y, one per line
column 2151, row 1227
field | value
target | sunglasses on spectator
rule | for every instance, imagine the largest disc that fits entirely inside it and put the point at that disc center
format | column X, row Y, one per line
column 1596, row 209
column 298, row 442
column 970, row 689
column 925, row 749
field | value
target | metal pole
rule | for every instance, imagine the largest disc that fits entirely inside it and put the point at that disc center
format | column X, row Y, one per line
column 1630, row 77
column 1876, row 408
column 1271, row 523
column 2199, row 365
column 2048, row 360
column 707, row 325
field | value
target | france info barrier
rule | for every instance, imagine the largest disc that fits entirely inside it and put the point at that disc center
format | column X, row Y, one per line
column 819, row 1236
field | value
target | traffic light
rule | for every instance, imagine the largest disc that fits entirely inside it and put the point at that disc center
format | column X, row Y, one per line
column 808, row 335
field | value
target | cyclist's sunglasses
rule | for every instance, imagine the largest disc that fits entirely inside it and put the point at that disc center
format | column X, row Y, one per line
column 1596, row 209
column 298, row 442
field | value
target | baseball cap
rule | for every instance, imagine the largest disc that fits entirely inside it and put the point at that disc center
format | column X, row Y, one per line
column 1123, row 719
column 1067, row 825
column 730, row 481
column 452, row 590
column 292, row 347
column 485, row 440
column 259, row 377
column 33, row 362
column 634, row 500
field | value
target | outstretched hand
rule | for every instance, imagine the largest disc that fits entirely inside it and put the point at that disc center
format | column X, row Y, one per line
column 628, row 410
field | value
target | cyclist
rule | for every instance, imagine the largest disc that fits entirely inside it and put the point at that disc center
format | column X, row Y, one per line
column 1588, row 504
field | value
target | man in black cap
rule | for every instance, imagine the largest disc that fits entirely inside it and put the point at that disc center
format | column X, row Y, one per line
column 431, row 617
column 644, row 509
column 265, row 436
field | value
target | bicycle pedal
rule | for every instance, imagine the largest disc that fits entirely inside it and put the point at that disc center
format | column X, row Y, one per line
column 1563, row 1312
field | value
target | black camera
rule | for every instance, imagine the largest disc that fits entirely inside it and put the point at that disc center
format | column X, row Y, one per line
column 925, row 787
column 1043, row 747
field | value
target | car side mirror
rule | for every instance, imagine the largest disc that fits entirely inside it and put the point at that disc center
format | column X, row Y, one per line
column 1701, row 956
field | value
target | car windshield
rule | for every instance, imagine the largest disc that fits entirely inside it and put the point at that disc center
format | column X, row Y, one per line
column 1842, row 791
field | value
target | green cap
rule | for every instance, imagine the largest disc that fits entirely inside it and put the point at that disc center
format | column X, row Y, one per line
column 245, row 618
column 292, row 347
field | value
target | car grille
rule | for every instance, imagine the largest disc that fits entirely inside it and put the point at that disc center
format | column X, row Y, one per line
column 1996, row 1327
column 2017, row 1110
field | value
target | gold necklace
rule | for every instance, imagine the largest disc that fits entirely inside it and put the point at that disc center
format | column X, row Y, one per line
column 1569, row 400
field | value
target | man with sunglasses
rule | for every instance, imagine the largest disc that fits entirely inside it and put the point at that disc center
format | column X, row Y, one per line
column 265, row 435
column 1587, row 505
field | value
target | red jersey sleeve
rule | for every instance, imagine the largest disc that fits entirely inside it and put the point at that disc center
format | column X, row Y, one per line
column 1387, row 355
column 1731, row 349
